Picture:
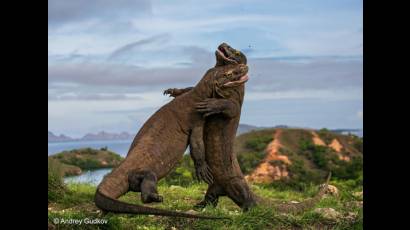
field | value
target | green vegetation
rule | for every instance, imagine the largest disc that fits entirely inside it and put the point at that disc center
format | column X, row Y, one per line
column 86, row 159
column 56, row 187
column 326, row 135
column 258, row 143
column 250, row 148
column 310, row 165
column 183, row 174
column 357, row 142
column 250, row 160
column 327, row 159
column 78, row 204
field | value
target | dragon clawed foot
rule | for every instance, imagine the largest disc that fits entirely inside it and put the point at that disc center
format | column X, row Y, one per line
column 208, row 107
column 204, row 173
column 171, row 92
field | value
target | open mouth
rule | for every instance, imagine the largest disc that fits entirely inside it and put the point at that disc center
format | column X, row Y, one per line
column 241, row 80
column 224, row 54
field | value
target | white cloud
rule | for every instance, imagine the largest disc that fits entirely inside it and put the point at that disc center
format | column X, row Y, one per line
column 318, row 94
column 155, row 45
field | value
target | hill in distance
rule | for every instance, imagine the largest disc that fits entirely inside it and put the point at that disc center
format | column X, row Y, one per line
column 100, row 136
column 106, row 136
column 73, row 162
column 54, row 138
column 290, row 154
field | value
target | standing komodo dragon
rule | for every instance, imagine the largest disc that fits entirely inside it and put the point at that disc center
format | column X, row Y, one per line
column 219, row 135
column 160, row 144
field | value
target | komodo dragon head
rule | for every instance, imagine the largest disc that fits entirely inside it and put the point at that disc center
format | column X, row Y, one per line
column 226, row 55
column 230, row 78
column 219, row 81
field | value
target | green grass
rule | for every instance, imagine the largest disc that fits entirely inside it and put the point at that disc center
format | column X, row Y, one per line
column 56, row 187
column 77, row 203
column 310, row 165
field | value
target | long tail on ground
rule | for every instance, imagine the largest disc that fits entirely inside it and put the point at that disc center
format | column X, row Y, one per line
column 113, row 205
column 306, row 204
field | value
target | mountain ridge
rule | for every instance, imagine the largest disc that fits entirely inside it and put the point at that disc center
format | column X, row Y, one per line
column 106, row 136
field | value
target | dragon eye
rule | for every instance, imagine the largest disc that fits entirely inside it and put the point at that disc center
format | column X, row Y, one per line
column 237, row 52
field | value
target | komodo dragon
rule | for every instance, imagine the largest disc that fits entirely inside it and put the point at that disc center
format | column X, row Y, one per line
column 160, row 144
column 222, row 120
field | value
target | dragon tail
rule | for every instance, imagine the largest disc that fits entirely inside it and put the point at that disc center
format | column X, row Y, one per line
column 113, row 205
column 306, row 204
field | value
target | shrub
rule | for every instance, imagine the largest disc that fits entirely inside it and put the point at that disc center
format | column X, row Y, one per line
column 326, row 159
column 325, row 135
column 105, row 148
column 358, row 143
column 258, row 143
column 56, row 187
column 249, row 161
column 255, row 151
column 300, row 177
column 183, row 173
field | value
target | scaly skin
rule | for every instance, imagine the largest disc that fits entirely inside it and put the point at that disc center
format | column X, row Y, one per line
column 222, row 119
column 160, row 144
column 219, row 135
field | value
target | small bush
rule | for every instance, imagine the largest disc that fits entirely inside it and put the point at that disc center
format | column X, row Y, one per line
column 249, row 161
column 300, row 177
column 255, row 148
column 258, row 143
column 56, row 187
column 358, row 143
column 182, row 174
column 326, row 159
column 325, row 135
column 105, row 148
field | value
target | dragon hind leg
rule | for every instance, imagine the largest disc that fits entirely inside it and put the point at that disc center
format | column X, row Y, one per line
column 145, row 182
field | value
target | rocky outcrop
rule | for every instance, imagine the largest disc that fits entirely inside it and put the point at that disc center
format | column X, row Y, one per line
column 273, row 166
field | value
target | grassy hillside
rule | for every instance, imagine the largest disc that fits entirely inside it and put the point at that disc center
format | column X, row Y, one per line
column 309, row 162
column 250, row 148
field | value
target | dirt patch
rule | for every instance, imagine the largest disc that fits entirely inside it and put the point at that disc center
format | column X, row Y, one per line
column 317, row 140
column 336, row 145
column 265, row 172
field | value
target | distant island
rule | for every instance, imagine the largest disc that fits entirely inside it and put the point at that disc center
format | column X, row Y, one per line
column 74, row 162
column 108, row 136
column 100, row 136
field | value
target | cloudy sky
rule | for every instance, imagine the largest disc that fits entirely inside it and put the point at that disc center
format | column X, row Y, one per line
column 109, row 61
